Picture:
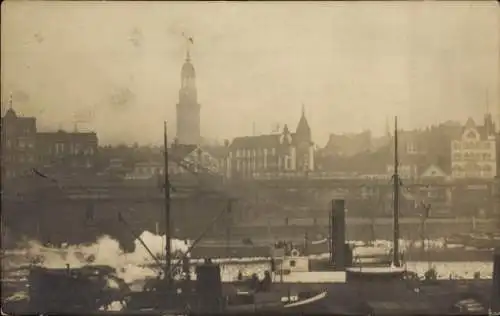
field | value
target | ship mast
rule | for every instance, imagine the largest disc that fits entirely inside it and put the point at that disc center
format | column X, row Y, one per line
column 395, row 254
column 167, row 208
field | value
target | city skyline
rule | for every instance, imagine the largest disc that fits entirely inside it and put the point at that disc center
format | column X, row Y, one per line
column 363, row 61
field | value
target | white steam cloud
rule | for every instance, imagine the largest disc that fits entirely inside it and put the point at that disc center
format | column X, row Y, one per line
column 106, row 251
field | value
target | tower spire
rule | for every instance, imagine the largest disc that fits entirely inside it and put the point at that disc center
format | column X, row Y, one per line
column 387, row 127
column 10, row 101
column 303, row 110
column 188, row 54
column 188, row 109
column 189, row 42
column 487, row 97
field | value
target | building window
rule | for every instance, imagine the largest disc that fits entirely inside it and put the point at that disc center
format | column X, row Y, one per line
column 273, row 152
column 410, row 148
column 59, row 148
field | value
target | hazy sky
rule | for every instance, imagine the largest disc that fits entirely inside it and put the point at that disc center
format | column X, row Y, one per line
column 352, row 64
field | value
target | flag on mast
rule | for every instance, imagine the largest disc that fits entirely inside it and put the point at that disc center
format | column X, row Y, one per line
column 189, row 38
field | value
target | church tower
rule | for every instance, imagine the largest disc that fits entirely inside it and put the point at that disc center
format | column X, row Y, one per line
column 188, row 109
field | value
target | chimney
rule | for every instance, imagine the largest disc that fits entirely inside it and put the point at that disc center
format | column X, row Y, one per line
column 337, row 235
column 495, row 290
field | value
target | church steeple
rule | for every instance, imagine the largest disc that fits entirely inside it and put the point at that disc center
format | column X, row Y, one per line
column 10, row 101
column 10, row 111
column 303, row 130
column 188, row 109
column 188, row 76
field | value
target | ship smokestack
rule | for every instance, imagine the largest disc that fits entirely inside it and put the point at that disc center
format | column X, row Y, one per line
column 495, row 291
column 209, row 287
column 337, row 235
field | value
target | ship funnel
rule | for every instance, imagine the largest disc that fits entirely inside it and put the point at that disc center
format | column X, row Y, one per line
column 337, row 235
column 209, row 287
column 495, row 291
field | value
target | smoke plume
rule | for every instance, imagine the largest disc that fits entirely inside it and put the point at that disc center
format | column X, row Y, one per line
column 106, row 251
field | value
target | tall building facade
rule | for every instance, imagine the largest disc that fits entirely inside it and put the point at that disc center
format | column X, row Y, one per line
column 66, row 150
column 474, row 154
column 188, row 108
column 18, row 144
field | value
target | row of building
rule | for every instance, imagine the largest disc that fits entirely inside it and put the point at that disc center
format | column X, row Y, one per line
column 450, row 150
column 24, row 147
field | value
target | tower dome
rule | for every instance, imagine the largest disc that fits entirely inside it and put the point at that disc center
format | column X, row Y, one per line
column 188, row 70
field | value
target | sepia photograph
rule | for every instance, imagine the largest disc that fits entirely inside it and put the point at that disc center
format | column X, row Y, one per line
column 250, row 157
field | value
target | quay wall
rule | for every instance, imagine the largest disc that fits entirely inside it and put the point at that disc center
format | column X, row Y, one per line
column 367, row 229
column 78, row 221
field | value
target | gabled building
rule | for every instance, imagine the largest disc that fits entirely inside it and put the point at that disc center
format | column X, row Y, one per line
column 474, row 153
column 187, row 164
column 221, row 154
column 273, row 153
column 196, row 158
